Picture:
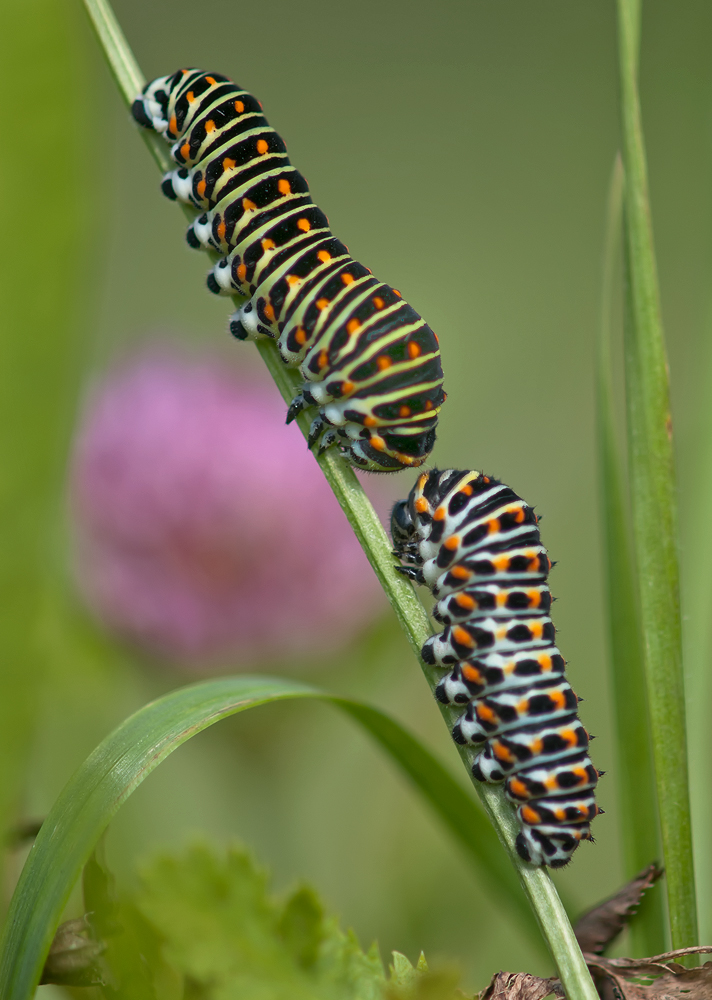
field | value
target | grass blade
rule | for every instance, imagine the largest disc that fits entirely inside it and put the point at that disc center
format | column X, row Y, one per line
column 127, row 756
column 653, row 499
column 548, row 909
column 636, row 775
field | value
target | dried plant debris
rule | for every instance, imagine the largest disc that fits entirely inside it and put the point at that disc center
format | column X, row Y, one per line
column 74, row 957
column 656, row 978
column 520, row 986
column 597, row 928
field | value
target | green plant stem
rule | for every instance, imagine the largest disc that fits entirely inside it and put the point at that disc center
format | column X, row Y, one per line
column 549, row 910
column 636, row 775
column 652, row 478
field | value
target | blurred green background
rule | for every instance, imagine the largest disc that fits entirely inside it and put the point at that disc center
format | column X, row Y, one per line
column 462, row 150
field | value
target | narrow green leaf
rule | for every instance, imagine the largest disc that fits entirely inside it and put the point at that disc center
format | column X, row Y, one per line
column 636, row 775
column 536, row 882
column 652, row 477
column 122, row 761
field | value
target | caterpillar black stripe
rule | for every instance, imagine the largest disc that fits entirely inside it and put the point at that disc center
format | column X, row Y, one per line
column 476, row 545
column 370, row 363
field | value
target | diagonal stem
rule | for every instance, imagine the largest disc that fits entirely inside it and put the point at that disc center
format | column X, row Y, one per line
column 536, row 882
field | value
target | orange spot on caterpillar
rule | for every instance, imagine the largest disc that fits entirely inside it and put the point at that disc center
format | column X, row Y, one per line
column 228, row 164
column 378, row 302
column 484, row 713
column 173, row 125
column 323, row 359
column 300, row 335
column 242, row 271
column 270, row 245
column 377, row 442
column 404, row 411
column 247, row 205
column 501, row 753
column 304, row 225
column 347, row 387
column 383, row 362
column 190, row 96
column 518, row 788
column 221, row 229
column 452, row 542
column 269, row 311
column 439, row 514
column 544, row 662
column 569, row 736
column 428, row 404
column 396, row 292
column 347, row 278
column 352, row 326
column 370, row 422
column 185, row 150
column 283, row 186
column 293, row 279
column 460, row 573
column 471, row 674
column 262, row 146
column 239, row 107
column 493, row 526
column 530, row 816
column 200, row 187
column 536, row 629
column 558, row 698
column 462, row 638
column 324, row 256
column 534, row 598
column 209, row 126
column 413, row 350
column 322, row 303
column 211, row 80
column 466, row 602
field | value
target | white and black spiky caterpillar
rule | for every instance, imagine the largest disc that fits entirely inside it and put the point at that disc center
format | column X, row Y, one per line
column 476, row 545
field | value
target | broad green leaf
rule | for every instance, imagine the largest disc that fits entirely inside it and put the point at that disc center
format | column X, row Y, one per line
column 653, row 489
column 206, row 924
column 119, row 765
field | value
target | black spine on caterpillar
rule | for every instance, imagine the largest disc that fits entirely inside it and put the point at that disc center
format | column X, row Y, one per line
column 370, row 363
column 476, row 545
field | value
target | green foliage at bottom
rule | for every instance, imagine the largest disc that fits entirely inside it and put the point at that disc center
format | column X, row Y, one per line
column 205, row 926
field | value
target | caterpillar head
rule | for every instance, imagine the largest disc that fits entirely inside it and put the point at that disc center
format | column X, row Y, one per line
column 402, row 527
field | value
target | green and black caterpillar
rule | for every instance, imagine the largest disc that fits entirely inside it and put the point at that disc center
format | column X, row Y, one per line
column 476, row 545
column 370, row 363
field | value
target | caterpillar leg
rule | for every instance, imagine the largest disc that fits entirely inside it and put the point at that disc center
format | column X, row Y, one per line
column 245, row 324
column 198, row 233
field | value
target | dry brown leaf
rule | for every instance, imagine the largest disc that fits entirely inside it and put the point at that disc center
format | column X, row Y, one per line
column 520, row 986
column 656, row 978
column 604, row 922
column 74, row 956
